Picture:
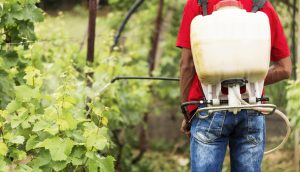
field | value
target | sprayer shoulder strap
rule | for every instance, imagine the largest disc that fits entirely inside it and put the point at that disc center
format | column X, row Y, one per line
column 257, row 5
column 203, row 4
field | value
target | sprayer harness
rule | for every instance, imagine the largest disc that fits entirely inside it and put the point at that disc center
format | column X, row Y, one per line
column 257, row 5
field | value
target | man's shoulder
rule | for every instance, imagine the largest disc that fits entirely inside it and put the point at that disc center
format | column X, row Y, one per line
column 192, row 2
column 192, row 6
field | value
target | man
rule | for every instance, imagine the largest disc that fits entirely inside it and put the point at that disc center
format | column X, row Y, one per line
column 245, row 132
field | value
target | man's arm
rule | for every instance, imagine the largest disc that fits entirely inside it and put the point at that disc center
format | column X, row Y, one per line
column 187, row 73
column 281, row 70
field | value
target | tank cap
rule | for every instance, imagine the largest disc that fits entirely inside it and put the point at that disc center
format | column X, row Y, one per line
column 226, row 3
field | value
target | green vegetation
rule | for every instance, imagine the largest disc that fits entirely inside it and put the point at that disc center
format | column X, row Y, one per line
column 47, row 122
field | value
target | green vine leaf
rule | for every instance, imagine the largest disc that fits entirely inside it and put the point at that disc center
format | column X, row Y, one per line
column 24, row 93
column 66, row 122
column 17, row 140
column 59, row 165
column 42, row 159
column 31, row 142
column 59, row 148
column 3, row 149
column 13, row 106
column 107, row 164
column 96, row 138
column 41, row 125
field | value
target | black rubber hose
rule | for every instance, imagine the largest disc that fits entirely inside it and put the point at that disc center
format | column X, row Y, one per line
column 134, row 7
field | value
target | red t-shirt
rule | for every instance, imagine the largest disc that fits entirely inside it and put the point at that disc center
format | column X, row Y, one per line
column 279, row 45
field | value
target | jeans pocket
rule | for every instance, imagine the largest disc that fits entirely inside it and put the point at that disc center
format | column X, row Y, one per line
column 209, row 129
column 256, row 127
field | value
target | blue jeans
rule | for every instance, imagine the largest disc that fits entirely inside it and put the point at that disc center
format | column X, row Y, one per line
column 244, row 132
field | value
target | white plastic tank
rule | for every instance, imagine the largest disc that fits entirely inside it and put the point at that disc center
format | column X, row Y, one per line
column 231, row 43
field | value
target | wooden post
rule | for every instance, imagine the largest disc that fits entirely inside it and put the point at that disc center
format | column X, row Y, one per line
column 91, row 31
column 91, row 46
column 91, row 38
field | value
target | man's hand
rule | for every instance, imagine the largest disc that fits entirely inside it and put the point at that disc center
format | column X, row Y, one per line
column 183, row 128
column 281, row 70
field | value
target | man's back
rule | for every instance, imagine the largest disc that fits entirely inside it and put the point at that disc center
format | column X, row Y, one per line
column 244, row 132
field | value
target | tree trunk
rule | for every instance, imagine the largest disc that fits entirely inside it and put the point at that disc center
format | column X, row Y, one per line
column 155, row 37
